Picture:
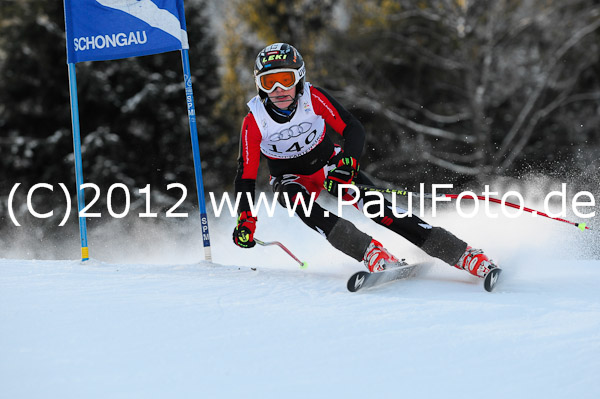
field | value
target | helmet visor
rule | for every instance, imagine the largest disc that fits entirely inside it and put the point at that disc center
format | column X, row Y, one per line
column 284, row 78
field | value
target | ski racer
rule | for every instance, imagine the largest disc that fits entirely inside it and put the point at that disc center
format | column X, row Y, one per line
column 286, row 124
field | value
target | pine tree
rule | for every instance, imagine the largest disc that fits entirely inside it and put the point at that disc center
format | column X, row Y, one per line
column 133, row 112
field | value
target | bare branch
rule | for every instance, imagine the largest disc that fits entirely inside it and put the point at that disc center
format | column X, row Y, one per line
column 393, row 115
column 528, row 131
column 558, row 102
column 429, row 57
column 460, row 158
column 570, row 43
column 467, row 170
column 427, row 130
column 445, row 119
column 415, row 13
column 594, row 96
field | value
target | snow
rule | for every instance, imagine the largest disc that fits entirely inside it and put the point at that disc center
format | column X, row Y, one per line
column 146, row 319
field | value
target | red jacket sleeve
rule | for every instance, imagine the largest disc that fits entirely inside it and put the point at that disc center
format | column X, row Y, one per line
column 250, row 139
column 327, row 110
column 248, row 161
column 341, row 120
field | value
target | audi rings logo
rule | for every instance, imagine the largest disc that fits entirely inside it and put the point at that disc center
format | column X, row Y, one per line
column 293, row 131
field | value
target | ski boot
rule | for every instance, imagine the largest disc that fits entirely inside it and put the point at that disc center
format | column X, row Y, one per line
column 377, row 258
column 478, row 264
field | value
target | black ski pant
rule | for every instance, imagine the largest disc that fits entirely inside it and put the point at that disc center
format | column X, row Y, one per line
column 343, row 235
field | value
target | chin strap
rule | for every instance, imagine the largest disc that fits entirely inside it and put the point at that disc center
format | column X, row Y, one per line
column 285, row 113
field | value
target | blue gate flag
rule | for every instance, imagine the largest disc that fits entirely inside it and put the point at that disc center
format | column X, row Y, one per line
column 110, row 29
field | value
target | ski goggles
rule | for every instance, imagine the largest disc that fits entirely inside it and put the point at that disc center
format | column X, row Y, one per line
column 284, row 78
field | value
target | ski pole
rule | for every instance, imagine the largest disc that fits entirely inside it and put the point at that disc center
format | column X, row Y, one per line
column 580, row 226
column 303, row 265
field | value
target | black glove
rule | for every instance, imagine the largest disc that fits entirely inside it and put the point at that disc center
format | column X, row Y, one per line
column 243, row 234
column 347, row 168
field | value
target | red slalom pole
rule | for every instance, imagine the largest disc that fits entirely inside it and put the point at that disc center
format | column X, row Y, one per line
column 580, row 226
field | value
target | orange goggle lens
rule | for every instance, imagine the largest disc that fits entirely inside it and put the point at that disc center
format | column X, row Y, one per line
column 286, row 79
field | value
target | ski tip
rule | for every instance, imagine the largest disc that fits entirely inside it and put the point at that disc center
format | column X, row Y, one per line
column 490, row 281
column 356, row 281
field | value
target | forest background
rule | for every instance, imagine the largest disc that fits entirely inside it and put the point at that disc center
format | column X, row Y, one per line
column 449, row 91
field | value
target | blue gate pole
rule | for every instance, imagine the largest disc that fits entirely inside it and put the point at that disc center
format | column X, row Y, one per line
column 77, row 156
column 187, row 77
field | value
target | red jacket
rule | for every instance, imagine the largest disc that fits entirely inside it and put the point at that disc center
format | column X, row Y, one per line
column 334, row 115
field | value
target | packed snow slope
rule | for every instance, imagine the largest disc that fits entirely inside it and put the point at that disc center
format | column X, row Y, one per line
column 146, row 318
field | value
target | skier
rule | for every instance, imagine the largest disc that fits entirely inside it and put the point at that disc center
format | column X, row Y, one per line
column 286, row 123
